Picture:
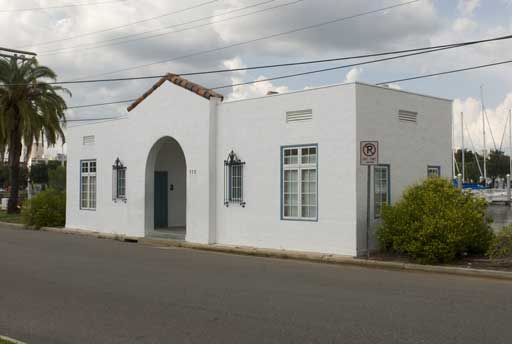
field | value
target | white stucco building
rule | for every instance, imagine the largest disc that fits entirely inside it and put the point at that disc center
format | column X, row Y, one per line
column 294, row 180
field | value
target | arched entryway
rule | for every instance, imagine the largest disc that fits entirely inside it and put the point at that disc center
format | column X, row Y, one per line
column 166, row 190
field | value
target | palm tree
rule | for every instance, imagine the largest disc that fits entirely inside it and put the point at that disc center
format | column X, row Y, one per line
column 30, row 110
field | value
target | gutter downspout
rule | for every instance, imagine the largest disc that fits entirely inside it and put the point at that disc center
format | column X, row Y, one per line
column 213, row 133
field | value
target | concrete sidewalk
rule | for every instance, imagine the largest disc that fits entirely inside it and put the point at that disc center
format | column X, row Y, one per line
column 295, row 255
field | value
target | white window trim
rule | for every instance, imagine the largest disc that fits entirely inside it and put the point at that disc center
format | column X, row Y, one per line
column 299, row 167
column 377, row 214
column 437, row 168
column 89, row 190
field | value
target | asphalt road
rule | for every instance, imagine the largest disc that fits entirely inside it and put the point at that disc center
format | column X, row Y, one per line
column 57, row 288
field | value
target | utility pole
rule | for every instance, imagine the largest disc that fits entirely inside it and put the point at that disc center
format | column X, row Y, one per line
column 16, row 54
column 510, row 139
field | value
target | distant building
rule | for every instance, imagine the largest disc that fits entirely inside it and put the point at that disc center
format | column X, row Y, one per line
column 281, row 171
column 38, row 154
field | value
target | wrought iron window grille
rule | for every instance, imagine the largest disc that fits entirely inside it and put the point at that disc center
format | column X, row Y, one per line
column 119, row 181
column 234, row 180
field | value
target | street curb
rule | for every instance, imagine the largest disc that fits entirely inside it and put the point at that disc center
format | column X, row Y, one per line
column 10, row 340
column 14, row 225
column 285, row 254
column 329, row 259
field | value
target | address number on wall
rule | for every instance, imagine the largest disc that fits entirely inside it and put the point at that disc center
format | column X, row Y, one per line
column 192, row 172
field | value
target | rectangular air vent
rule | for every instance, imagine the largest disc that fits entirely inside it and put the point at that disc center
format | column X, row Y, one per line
column 299, row 116
column 407, row 116
column 88, row 140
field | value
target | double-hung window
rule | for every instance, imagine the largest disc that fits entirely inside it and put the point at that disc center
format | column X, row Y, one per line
column 119, row 181
column 299, row 183
column 381, row 188
column 433, row 171
column 88, row 185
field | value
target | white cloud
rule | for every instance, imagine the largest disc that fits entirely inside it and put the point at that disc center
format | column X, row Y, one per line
column 254, row 90
column 353, row 75
column 416, row 25
column 378, row 30
column 464, row 25
column 472, row 110
column 235, row 63
column 249, row 91
column 467, row 7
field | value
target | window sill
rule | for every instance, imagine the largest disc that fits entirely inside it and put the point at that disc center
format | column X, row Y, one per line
column 240, row 203
column 299, row 219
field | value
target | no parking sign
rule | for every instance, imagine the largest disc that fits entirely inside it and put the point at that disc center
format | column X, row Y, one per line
column 369, row 153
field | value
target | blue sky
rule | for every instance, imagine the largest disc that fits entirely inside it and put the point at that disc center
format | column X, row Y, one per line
column 423, row 23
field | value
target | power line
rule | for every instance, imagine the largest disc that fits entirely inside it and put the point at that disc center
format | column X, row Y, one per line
column 260, row 38
column 379, row 84
column 60, row 6
column 97, row 121
column 290, row 64
column 101, row 104
column 423, row 76
column 316, row 71
column 418, row 51
column 93, row 119
column 124, row 40
column 123, row 26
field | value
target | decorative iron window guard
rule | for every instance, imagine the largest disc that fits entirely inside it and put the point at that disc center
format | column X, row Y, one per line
column 118, row 181
column 233, row 180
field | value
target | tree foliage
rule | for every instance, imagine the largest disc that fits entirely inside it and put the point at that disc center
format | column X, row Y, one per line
column 39, row 173
column 4, row 176
column 31, row 110
column 57, row 178
column 498, row 164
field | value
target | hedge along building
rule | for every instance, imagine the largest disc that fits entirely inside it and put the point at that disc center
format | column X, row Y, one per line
column 280, row 171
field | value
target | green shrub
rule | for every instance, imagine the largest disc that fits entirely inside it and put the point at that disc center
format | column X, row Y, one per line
column 46, row 209
column 435, row 223
column 57, row 178
column 501, row 245
column 39, row 173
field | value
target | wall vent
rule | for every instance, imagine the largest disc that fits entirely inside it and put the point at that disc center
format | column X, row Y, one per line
column 299, row 116
column 88, row 140
column 407, row 116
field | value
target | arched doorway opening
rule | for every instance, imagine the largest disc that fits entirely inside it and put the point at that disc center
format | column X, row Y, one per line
column 166, row 190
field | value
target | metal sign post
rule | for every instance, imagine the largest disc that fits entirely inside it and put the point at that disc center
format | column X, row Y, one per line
column 368, row 156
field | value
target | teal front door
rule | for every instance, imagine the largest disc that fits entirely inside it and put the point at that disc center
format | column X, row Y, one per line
column 161, row 200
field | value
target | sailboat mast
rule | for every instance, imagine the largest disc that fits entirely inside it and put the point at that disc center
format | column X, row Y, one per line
column 483, row 129
column 463, row 148
column 453, row 149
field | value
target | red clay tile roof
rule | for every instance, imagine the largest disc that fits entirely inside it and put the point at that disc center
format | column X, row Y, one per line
column 178, row 80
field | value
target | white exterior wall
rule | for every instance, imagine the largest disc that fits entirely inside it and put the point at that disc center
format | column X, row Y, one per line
column 256, row 129
column 407, row 147
column 170, row 111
